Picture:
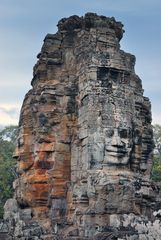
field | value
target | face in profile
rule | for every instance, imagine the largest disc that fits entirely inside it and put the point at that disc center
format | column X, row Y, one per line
column 118, row 145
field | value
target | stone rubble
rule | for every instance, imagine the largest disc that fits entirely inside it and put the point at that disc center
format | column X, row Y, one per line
column 85, row 144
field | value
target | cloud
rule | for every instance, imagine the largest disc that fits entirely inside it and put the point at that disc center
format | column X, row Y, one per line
column 9, row 114
column 156, row 118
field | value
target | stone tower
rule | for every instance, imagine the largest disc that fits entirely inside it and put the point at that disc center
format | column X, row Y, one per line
column 85, row 143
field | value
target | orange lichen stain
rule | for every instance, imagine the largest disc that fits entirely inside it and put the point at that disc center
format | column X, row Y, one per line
column 46, row 147
column 40, row 191
column 40, row 212
column 36, row 194
column 25, row 165
column 44, row 156
column 38, row 177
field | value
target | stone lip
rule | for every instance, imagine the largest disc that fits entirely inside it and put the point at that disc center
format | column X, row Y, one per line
column 90, row 20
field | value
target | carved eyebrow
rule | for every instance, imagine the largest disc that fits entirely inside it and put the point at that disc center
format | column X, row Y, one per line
column 124, row 128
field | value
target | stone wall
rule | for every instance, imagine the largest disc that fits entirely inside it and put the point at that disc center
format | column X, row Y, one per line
column 85, row 141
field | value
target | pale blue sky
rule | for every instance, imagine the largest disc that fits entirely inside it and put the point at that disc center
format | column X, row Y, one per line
column 24, row 24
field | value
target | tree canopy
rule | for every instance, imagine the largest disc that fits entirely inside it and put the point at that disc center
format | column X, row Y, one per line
column 156, row 171
column 7, row 164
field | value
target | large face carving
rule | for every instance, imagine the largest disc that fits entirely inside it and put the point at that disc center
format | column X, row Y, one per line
column 118, row 145
column 118, row 109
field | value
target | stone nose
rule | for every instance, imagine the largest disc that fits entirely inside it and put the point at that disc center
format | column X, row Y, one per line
column 116, row 140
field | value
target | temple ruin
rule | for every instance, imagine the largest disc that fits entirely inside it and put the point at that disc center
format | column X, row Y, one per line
column 85, row 145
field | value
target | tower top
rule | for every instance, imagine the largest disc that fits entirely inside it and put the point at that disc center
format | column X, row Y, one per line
column 88, row 21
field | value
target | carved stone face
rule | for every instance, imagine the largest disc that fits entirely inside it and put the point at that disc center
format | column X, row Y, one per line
column 118, row 145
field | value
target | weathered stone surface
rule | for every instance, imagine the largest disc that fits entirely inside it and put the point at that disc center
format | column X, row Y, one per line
column 85, row 141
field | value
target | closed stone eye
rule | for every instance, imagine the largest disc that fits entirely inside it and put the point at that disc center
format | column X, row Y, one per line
column 109, row 133
column 123, row 133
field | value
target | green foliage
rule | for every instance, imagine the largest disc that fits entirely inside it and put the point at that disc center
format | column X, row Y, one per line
column 7, row 164
column 9, row 133
column 156, row 171
column 157, row 137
